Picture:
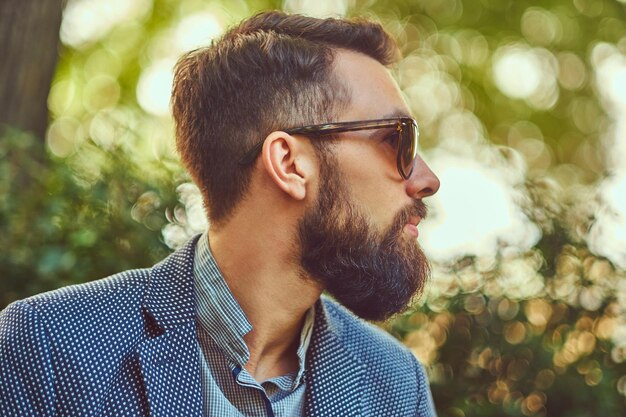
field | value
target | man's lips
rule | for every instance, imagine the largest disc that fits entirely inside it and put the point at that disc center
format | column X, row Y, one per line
column 414, row 220
column 411, row 225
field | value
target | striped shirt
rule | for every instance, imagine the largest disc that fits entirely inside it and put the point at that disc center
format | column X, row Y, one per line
column 228, row 388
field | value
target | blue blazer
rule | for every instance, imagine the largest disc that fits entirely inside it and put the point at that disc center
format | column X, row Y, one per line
column 126, row 346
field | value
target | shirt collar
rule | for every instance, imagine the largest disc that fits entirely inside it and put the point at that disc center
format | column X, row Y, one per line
column 216, row 308
column 305, row 339
column 220, row 314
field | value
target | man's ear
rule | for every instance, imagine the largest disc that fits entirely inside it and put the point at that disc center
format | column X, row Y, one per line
column 290, row 162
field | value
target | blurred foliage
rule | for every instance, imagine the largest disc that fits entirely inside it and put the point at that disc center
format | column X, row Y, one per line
column 537, row 332
column 60, row 227
column 504, row 339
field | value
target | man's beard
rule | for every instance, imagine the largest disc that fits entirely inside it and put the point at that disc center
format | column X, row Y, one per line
column 373, row 274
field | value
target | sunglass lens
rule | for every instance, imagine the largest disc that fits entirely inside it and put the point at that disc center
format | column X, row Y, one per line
column 408, row 148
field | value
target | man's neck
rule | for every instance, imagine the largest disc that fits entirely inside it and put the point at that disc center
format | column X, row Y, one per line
column 264, row 276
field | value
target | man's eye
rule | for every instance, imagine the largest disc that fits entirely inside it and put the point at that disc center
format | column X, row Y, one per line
column 392, row 139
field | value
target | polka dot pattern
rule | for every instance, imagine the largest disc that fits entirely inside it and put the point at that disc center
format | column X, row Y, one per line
column 127, row 346
column 356, row 369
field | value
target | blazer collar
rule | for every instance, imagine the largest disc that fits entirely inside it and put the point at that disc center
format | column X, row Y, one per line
column 334, row 375
column 169, row 297
column 169, row 357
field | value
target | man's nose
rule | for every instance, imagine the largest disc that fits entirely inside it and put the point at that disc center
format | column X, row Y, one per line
column 423, row 182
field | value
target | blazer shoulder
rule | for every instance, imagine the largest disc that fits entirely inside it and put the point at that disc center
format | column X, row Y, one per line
column 128, row 284
column 89, row 309
column 393, row 371
column 76, row 336
column 368, row 342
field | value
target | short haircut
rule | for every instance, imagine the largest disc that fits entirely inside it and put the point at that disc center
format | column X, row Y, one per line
column 271, row 72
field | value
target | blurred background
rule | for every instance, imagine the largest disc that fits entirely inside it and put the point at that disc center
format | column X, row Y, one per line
column 522, row 113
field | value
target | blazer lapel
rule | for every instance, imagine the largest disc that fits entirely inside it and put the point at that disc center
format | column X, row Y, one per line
column 334, row 377
column 169, row 358
column 170, row 368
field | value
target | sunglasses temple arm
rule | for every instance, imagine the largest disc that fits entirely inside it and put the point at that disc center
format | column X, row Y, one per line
column 318, row 129
column 249, row 157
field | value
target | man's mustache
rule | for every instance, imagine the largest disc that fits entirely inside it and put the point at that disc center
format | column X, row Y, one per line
column 417, row 208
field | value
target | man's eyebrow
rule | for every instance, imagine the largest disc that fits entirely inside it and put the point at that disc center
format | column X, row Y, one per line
column 396, row 113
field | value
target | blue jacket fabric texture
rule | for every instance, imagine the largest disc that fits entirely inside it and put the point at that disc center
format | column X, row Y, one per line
column 127, row 345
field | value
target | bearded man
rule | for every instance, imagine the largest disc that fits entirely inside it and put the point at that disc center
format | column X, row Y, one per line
column 306, row 156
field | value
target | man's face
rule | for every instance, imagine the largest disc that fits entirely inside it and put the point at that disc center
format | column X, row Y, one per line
column 359, row 237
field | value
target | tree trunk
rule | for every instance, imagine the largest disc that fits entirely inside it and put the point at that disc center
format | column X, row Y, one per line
column 29, row 40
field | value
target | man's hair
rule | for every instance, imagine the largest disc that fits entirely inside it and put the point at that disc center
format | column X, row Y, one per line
column 271, row 72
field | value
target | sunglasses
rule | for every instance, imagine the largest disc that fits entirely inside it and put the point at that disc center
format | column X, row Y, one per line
column 405, row 137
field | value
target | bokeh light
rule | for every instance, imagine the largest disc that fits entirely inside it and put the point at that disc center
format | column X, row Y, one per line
column 527, row 73
column 155, row 87
column 87, row 21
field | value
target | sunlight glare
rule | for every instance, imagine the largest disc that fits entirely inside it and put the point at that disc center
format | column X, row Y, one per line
column 197, row 30
column 155, row 86
column 607, row 236
column 86, row 21
column 319, row 8
column 474, row 212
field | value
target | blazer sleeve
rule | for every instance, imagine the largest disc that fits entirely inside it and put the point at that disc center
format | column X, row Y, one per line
column 26, row 372
column 425, row 405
